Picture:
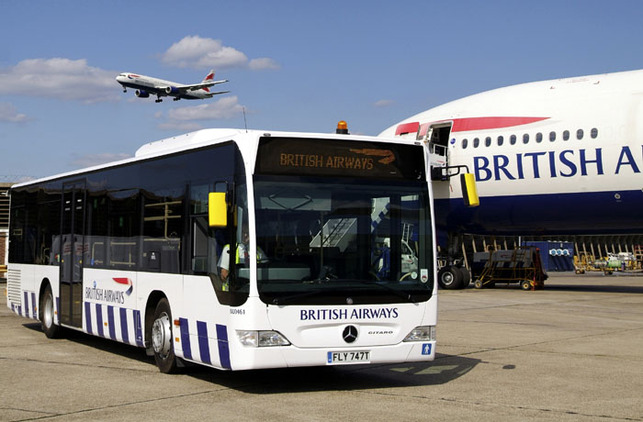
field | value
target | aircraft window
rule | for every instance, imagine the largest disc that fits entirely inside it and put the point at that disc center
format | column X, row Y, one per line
column 512, row 139
column 594, row 133
column 552, row 136
column 579, row 134
column 566, row 135
column 487, row 141
column 525, row 138
column 476, row 142
column 539, row 137
column 465, row 143
column 501, row 140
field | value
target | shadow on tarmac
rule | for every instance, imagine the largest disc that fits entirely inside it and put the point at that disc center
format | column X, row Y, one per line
column 444, row 369
column 103, row 344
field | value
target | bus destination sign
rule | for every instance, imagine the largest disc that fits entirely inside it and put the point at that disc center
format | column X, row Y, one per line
column 323, row 157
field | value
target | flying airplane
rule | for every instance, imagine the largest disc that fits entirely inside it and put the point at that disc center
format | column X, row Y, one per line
column 146, row 86
column 557, row 157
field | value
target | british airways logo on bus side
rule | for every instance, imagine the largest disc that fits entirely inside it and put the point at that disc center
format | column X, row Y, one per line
column 566, row 163
column 109, row 295
column 126, row 281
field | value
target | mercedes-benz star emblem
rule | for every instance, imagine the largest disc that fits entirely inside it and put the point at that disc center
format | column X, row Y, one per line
column 350, row 334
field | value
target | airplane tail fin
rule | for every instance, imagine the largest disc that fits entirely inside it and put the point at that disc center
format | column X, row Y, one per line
column 212, row 94
column 209, row 76
column 209, row 81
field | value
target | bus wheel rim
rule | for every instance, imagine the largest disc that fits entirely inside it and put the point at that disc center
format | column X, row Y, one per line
column 161, row 335
column 48, row 311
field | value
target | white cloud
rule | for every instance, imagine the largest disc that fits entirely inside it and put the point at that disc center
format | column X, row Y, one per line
column 186, row 118
column 89, row 160
column 224, row 109
column 204, row 53
column 8, row 113
column 263, row 63
column 384, row 103
column 197, row 52
column 59, row 78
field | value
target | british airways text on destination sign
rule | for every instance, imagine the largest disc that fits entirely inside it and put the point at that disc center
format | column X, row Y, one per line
column 330, row 161
column 348, row 314
column 567, row 163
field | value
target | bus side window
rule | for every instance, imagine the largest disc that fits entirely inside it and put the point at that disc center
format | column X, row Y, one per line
column 207, row 244
column 207, row 241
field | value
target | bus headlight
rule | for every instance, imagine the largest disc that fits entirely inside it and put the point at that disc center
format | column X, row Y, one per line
column 422, row 333
column 251, row 338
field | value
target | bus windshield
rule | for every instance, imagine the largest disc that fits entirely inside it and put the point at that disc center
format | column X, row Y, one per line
column 342, row 240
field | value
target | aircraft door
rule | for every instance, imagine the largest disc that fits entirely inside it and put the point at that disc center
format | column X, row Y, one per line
column 72, row 250
column 437, row 137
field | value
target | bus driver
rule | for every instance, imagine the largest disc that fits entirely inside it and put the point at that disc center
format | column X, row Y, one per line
column 241, row 257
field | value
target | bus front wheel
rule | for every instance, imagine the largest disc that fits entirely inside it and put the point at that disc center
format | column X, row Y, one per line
column 162, row 338
column 47, row 314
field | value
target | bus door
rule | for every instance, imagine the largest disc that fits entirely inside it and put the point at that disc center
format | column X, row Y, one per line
column 72, row 248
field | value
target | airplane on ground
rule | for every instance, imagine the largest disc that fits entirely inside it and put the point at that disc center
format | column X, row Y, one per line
column 146, row 86
column 558, row 157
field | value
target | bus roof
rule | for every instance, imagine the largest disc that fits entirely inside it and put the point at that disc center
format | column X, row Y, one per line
column 199, row 139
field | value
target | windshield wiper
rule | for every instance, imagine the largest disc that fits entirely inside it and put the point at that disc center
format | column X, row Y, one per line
column 404, row 295
column 283, row 300
column 314, row 292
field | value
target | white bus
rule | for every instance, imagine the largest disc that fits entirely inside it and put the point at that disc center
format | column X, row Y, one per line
column 237, row 250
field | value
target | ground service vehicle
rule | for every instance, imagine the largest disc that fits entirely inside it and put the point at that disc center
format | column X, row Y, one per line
column 237, row 250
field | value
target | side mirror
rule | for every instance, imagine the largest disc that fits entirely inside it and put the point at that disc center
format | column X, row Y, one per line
column 469, row 191
column 217, row 209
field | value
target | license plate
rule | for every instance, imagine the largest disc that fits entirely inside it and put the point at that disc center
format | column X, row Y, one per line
column 337, row 358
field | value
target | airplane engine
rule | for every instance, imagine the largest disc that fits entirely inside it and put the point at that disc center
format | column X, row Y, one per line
column 142, row 94
column 170, row 90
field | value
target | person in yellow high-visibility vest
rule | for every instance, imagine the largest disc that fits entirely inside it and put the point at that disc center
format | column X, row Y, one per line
column 241, row 257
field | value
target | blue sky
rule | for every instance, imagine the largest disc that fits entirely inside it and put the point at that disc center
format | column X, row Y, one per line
column 292, row 65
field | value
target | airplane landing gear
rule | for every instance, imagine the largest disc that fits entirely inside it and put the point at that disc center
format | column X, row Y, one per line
column 158, row 100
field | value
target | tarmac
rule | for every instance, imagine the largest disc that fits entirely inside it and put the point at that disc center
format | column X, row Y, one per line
column 570, row 352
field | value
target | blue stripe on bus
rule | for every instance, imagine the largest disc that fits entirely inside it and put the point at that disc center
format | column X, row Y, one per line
column 124, row 332
column 26, row 303
column 185, row 338
column 224, row 350
column 110, row 321
column 204, row 346
column 138, row 329
column 88, row 318
column 34, row 307
column 99, row 320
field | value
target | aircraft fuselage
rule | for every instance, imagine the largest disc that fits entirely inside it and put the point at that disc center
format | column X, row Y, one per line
column 554, row 157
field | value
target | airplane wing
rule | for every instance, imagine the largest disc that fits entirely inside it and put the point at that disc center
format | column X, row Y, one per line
column 196, row 87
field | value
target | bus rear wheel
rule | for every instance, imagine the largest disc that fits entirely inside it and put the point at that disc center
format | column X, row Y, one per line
column 162, row 338
column 47, row 314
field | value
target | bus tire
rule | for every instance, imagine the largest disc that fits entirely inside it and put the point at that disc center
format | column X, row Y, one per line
column 47, row 314
column 162, row 343
column 450, row 278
